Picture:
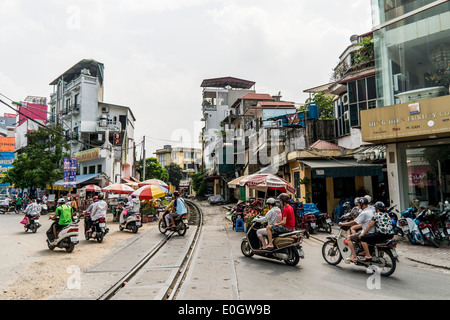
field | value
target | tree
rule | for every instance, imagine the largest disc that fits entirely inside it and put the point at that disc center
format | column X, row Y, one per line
column 39, row 164
column 198, row 183
column 153, row 170
column 325, row 104
column 175, row 174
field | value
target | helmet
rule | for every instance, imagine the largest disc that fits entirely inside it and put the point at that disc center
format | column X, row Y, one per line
column 369, row 198
column 95, row 198
column 357, row 201
column 363, row 200
column 379, row 205
column 271, row 201
column 61, row 201
column 284, row 197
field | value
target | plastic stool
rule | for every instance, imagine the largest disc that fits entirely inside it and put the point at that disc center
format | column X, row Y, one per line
column 239, row 225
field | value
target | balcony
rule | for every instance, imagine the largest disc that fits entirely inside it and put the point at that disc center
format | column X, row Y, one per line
column 108, row 125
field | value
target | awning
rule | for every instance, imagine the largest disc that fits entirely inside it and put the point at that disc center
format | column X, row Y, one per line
column 79, row 179
column 340, row 168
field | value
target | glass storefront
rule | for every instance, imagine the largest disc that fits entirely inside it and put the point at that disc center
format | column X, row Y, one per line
column 412, row 55
column 425, row 172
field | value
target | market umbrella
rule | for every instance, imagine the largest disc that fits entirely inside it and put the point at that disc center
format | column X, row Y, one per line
column 149, row 192
column 264, row 182
column 235, row 182
column 134, row 185
column 92, row 188
column 119, row 188
column 153, row 182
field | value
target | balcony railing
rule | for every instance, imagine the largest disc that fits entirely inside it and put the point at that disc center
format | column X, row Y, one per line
column 108, row 125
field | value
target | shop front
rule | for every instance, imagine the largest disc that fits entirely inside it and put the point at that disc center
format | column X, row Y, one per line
column 417, row 138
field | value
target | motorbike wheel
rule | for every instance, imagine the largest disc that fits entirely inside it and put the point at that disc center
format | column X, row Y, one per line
column 162, row 226
column 100, row 237
column 390, row 264
column 246, row 250
column 294, row 257
column 181, row 228
column 50, row 246
column 70, row 248
column 33, row 228
column 331, row 253
column 433, row 241
column 134, row 228
column 327, row 228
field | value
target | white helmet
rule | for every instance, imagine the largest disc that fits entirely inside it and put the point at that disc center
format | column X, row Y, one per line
column 61, row 201
column 271, row 201
column 369, row 198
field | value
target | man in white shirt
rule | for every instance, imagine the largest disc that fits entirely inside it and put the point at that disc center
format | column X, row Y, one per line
column 99, row 210
column 363, row 219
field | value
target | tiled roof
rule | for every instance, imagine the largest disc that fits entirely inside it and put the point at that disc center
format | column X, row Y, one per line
column 324, row 145
column 258, row 96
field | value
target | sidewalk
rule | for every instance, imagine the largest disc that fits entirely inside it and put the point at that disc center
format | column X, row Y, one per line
column 426, row 254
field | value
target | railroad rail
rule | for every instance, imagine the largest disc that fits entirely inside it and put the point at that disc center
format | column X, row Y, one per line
column 195, row 217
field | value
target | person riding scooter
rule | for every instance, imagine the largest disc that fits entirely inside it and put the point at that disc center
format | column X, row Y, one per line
column 287, row 224
column 32, row 210
column 64, row 212
column 271, row 217
column 87, row 217
column 98, row 211
column 133, row 206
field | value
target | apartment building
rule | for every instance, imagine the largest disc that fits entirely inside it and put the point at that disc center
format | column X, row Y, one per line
column 100, row 134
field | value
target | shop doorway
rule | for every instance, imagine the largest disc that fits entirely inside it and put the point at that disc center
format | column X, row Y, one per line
column 319, row 193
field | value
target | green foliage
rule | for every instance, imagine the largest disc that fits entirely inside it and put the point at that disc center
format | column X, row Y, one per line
column 38, row 165
column 175, row 174
column 365, row 52
column 198, row 183
column 325, row 104
column 153, row 170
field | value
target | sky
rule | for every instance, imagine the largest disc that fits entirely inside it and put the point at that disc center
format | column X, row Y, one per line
column 157, row 52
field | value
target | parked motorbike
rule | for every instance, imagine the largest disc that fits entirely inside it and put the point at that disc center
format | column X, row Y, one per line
column 384, row 255
column 34, row 224
column 287, row 246
column 443, row 221
column 409, row 227
column 133, row 221
column 99, row 229
column 309, row 215
column 428, row 227
column 44, row 210
column 237, row 213
column 181, row 224
column 67, row 237
column 397, row 230
column 324, row 222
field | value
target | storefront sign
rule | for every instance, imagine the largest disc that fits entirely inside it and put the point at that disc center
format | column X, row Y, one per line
column 87, row 155
column 407, row 122
column 7, row 144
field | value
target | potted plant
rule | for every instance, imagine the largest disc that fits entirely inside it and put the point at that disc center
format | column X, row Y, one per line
column 148, row 212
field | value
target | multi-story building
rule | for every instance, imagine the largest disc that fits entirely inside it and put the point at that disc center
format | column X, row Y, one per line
column 189, row 159
column 100, row 135
column 412, row 118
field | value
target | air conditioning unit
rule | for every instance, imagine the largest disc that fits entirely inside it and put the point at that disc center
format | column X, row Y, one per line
column 345, row 99
column 105, row 109
column 346, row 115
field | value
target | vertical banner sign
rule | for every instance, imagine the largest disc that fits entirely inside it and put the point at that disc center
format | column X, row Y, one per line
column 70, row 172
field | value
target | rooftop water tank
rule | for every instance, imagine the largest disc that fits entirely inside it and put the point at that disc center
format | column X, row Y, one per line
column 312, row 111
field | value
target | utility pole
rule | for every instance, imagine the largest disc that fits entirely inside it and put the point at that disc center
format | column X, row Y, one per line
column 143, row 161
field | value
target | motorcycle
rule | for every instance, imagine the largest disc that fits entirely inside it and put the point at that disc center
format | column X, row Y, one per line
column 309, row 216
column 287, row 246
column 67, row 237
column 397, row 230
column 181, row 224
column 99, row 229
column 443, row 221
column 237, row 213
column 44, row 210
column 409, row 227
column 428, row 228
column 34, row 224
column 133, row 221
column 384, row 255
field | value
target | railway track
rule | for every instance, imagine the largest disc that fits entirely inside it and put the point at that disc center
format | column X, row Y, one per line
column 195, row 218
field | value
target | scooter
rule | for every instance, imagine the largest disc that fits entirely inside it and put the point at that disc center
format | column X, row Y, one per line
column 99, row 229
column 409, row 227
column 181, row 224
column 67, row 237
column 44, row 210
column 287, row 246
column 324, row 222
column 309, row 215
column 34, row 224
column 428, row 228
column 394, row 219
column 384, row 255
column 133, row 221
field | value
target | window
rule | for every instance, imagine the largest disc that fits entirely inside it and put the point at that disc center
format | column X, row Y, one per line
column 99, row 168
column 344, row 187
column 91, row 169
column 85, row 170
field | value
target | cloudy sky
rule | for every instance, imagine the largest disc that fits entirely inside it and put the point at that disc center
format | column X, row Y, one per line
column 157, row 52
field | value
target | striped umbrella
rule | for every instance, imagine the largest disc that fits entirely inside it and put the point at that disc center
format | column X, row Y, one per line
column 92, row 188
column 119, row 188
column 264, row 182
column 153, row 182
column 150, row 191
